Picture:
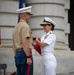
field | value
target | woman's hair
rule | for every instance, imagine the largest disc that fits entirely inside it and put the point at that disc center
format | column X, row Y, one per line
column 52, row 27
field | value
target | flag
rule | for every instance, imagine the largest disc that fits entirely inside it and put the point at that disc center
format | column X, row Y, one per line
column 21, row 5
column 37, row 47
column 0, row 37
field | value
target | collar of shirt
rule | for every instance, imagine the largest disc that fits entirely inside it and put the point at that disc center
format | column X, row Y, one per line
column 50, row 32
column 21, row 20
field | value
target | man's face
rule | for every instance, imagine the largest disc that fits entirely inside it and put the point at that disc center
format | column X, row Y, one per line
column 27, row 17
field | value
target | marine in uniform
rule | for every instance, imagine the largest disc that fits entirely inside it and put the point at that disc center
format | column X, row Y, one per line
column 22, row 43
column 47, row 44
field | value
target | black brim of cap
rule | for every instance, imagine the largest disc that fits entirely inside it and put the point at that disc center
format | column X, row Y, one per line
column 45, row 23
column 42, row 24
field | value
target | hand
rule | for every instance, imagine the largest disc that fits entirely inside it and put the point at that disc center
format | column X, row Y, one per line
column 29, row 61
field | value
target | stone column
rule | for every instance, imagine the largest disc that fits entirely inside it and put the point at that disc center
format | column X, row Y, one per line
column 56, row 10
column 8, row 19
column 67, row 25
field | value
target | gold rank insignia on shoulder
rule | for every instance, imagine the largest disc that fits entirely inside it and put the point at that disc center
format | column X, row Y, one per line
column 51, row 32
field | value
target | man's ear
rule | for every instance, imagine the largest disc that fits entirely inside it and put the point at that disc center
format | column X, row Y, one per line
column 24, row 15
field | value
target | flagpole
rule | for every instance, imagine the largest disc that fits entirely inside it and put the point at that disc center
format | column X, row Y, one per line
column 21, row 3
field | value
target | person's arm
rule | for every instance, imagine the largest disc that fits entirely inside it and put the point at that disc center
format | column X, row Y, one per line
column 25, row 37
column 26, row 46
column 42, row 44
column 26, row 50
column 47, row 41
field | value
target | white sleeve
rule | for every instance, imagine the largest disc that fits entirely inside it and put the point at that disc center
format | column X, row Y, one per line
column 50, row 39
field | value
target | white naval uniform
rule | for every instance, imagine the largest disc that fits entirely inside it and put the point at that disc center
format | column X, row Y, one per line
column 48, row 59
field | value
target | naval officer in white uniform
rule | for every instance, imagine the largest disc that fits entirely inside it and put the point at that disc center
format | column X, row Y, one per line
column 47, row 44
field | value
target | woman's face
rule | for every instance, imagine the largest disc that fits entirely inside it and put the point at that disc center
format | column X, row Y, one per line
column 47, row 28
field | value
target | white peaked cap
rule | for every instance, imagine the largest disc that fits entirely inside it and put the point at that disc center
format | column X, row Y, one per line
column 25, row 9
column 50, row 21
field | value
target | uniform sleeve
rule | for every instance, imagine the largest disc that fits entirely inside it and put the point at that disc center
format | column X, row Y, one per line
column 25, row 32
column 50, row 39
